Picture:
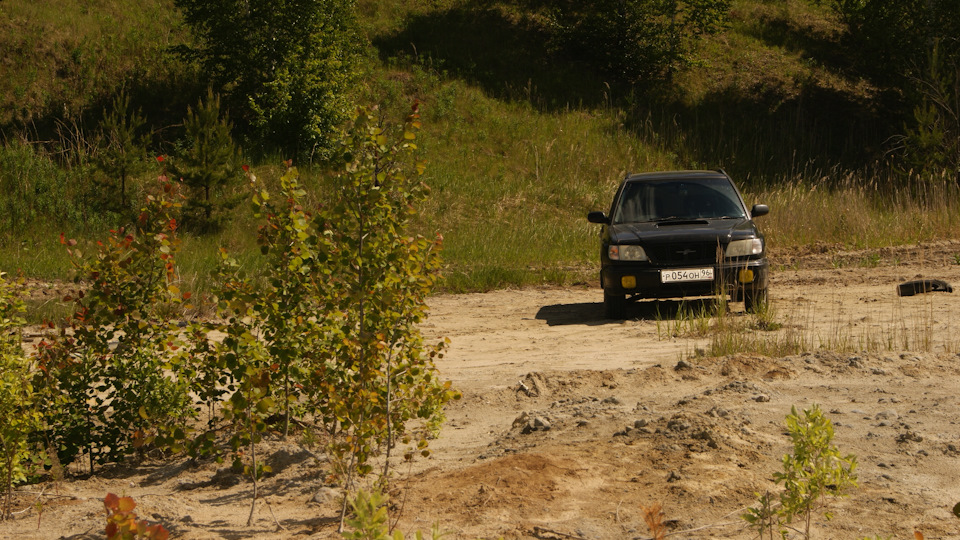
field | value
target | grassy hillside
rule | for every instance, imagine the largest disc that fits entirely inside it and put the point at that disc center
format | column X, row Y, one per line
column 519, row 147
column 62, row 59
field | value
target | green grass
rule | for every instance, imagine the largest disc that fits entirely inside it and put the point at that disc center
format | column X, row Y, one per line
column 71, row 54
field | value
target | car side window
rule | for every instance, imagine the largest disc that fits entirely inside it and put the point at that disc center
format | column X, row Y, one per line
column 636, row 204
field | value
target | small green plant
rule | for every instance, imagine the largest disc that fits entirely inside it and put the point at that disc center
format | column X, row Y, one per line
column 815, row 469
column 208, row 165
column 765, row 517
column 122, row 146
column 332, row 330
column 19, row 416
column 693, row 319
column 765, row 318
column 122, row 522
column 376, row 374
column 248, row 409
column 871, row 261
column 370, row 520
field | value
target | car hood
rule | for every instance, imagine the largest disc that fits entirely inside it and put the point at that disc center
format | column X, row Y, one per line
column 702, row 230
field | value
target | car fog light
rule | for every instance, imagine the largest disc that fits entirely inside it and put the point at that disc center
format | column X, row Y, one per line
column 628, row 282
column 746, row 276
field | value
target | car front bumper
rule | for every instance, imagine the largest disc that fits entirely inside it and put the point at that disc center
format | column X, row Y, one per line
column 642, row 280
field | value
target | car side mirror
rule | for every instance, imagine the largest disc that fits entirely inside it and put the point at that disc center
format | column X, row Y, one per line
column 598, row 217
column 759, row 210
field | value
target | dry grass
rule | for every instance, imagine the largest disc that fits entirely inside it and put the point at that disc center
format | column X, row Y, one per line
column 861, row 212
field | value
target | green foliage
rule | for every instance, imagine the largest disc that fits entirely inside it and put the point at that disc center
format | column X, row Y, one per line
column 269, row 331
column 247, row 411
column 19, row 413
column 208, row 164
column 815, row 469
column 287, row 305
column 34, row 189
column 635, row 41
column 932, row 144
column 68, row 55
column 370, row 520
column 765, row 517
column 331, row 328
column 891, row 39
column 363, row 363
column 375, row 374
column 122, row 523
column 287, row 65
column 121, row 145
column 108, row 384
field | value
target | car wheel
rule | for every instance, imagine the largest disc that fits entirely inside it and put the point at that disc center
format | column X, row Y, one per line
column 755, row 300
column 614, row 305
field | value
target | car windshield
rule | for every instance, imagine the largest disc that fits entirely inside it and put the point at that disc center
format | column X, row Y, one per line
column 666, row 200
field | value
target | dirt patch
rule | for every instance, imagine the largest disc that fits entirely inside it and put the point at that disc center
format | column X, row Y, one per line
column 570, row 423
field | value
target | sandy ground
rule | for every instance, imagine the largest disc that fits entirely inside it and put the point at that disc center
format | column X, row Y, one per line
column 570, row 423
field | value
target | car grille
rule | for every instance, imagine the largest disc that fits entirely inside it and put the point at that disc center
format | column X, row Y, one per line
column 683, row 253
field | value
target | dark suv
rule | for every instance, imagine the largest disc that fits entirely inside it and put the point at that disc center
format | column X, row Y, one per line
column 678, row 234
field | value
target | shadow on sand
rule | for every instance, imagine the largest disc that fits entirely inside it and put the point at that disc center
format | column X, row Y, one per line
column 591, row 313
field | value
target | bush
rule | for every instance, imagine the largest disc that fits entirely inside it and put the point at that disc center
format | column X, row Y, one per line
column 122, row 147
column 286, row 65
column 19, row 415
column 108, row 383
column 633, row 41
column 208, row 165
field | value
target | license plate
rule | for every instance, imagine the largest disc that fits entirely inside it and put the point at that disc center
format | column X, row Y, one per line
column 687, row 274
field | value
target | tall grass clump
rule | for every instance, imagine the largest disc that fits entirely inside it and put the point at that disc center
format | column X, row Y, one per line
column 860, row 212
column 776, row 333
column 32, row 188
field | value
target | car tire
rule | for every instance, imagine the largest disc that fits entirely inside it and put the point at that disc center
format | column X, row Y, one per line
column 755, row 300
column 614, row 305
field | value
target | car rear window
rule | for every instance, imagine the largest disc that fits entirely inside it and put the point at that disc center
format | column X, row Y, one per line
column 658, row 200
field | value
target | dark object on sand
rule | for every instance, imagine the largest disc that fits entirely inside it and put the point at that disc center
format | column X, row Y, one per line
column 918, row 286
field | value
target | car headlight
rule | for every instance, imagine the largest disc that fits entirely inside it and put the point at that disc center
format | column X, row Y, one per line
column 744, row 248
column 627, row 253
